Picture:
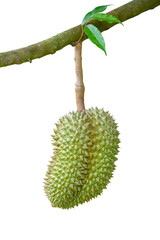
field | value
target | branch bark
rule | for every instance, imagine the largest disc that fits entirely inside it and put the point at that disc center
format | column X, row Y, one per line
column 55, row 43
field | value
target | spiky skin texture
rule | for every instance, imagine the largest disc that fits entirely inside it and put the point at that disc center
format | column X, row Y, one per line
column 85, row 148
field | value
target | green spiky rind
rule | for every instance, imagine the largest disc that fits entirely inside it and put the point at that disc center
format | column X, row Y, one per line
column 102, row 156
column 67, row 170
column 85, row 149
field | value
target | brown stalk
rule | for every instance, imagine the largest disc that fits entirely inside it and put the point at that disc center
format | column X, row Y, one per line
column 79, row 86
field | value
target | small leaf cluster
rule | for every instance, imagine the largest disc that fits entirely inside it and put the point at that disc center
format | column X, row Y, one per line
column 93, row 32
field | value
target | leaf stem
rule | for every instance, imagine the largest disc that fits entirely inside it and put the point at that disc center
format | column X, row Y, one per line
column 82, row 26
column 81, row 35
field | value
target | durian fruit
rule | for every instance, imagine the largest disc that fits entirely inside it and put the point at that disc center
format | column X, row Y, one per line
column 85, row 147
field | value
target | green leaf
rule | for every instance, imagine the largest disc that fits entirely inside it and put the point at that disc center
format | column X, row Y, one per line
column 95, row 10
column 95, row 36
column 105, row 17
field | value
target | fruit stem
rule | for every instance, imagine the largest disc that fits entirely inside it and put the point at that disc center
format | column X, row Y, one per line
column 79, row 86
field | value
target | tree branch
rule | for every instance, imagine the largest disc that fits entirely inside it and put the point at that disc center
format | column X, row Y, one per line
column 55, row 43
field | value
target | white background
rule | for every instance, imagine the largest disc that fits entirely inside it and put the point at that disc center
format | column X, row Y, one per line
column 33, row 97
